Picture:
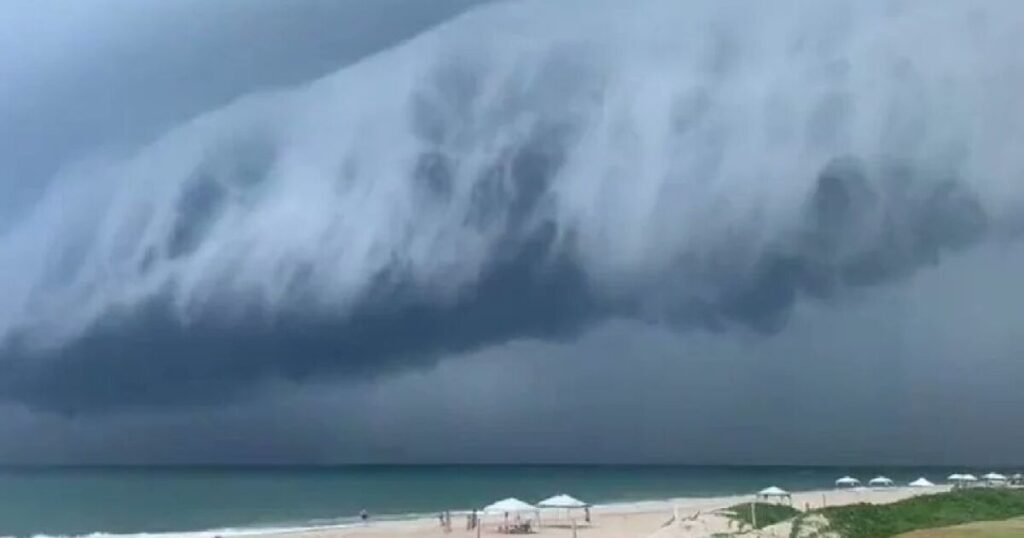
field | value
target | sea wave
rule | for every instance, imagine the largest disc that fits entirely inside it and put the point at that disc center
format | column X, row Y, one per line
column 241, row 532
column 211, row 533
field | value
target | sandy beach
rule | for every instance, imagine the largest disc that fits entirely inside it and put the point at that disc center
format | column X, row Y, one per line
column 670, row 518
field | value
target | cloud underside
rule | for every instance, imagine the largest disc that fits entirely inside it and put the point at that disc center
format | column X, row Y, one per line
column 147, row 355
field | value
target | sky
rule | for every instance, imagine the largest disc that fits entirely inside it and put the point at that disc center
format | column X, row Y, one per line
column 517, row 231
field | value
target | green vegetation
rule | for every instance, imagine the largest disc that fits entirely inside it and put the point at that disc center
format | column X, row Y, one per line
column 927, row 512
column 1013, row 528
column 767, row 514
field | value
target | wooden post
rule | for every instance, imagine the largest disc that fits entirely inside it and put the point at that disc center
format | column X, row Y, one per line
column 573, row 527
column 753, row 513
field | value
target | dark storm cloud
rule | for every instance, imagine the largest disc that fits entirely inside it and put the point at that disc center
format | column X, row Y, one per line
column 146, row 356
column 113, row 74
column 915, row 227
column 527, row 171
column 884, row 380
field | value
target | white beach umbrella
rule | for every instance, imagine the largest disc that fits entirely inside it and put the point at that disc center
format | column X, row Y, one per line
column 995, row 477
column 882, row 481
column 968, row 478
column 955, row 477
column 847, row 481
column 562, row 501
column 921, row 483
column 510, row 505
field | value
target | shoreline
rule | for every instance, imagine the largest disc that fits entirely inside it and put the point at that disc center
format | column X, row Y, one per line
column 676, row 516
column 617, row 519
column 230, row 503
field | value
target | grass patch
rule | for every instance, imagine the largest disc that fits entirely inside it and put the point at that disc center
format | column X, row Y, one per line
column 767, row 514
column 927, row 512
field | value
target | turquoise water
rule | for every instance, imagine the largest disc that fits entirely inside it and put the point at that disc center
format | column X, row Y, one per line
column 130, row 500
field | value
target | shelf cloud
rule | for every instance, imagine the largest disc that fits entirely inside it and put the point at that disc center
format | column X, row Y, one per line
column 526, row 170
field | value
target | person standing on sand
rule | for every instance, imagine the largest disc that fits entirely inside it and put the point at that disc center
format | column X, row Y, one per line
column 364, row 516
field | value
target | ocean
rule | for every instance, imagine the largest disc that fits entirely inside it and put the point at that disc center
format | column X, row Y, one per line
column 75, row 501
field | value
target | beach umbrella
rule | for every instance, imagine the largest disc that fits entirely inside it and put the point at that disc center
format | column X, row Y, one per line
column 955, row 477
column 968, row 478
column 562, row 501
column 995, row 477
column 880, row 481
column 847, row 481
column 921, row 483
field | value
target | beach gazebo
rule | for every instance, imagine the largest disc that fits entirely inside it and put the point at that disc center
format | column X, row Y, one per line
column 995, row 479
column 564, row 502
column 509, row 507
column 847, row 482
column 961, row 480
column 774, row 493
column 881, row 482
column 921, row 483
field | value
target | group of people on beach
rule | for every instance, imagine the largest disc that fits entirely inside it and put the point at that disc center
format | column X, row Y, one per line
column 472, row 519
column 445, row 518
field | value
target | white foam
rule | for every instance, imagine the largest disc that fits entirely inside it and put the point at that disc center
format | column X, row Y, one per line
column 215, row 533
